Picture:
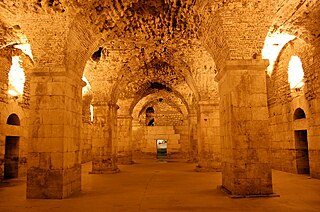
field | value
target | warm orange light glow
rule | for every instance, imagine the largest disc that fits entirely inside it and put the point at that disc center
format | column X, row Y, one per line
column 272, row 47
column 86, row 89
column 295, row 72
column 16, row 77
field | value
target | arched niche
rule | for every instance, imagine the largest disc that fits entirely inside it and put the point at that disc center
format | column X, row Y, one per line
column 299, row 114
column 13, row 119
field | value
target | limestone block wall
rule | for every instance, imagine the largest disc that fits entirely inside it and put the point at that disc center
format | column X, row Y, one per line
column 144, row 141
column 282, row 134
column 13, row 105
column 282, row 103
column 10, row 130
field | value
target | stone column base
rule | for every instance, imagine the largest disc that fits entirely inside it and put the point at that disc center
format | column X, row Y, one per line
column 229, row 194
column 124, row 160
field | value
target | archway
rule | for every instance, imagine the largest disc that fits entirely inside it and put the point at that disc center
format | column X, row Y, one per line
column 302, row 152
column 11, row 158
column 11, row 154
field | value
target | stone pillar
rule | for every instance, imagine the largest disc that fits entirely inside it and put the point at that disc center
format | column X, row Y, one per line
column 193, row 137
column 54, row 169
column 103, row 141
column 209, row 146
column 246, row 164
column 124, row 144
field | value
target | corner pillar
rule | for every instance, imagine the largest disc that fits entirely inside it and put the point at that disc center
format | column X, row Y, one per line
column 246, row 164
column 104, row 138
column 193, row 142
column 209, row 146
column 124, row 144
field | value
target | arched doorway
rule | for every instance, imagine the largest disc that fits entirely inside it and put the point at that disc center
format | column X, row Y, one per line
column 301, row 143
column 302, row 154
column 11, row 157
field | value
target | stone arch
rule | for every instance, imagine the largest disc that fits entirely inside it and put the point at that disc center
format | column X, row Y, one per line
column 83, row 39
column 174, row 94
column 125, row 78
column 154, row 102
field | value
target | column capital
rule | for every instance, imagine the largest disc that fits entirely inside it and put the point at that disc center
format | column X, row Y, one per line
column 252, row 64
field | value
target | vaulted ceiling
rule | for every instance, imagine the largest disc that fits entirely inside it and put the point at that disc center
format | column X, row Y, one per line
column 130, row 49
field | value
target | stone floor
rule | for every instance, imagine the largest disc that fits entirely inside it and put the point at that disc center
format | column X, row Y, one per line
column 159, row 186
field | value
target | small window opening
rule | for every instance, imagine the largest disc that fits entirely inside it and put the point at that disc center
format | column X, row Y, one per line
column 13, row 119
column 299, row 114
column 16, row 77
column 295, row 74
column 97, row 55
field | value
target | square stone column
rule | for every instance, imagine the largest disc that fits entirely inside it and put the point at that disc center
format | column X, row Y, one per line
column 246, row 148
column 209, row 146
column 193, row 137
column 54, row 169
column 124, row 143
column 104, row 138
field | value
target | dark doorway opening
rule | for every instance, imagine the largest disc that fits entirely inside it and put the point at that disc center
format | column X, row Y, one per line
column 161, row 149
column 11, row 158
column 301, row 141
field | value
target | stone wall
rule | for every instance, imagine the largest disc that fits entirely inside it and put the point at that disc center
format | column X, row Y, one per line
column 13, row 105
column 283, row 102
column 145, row 141
column 17, row 131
